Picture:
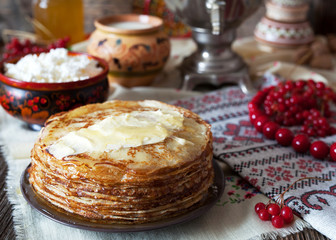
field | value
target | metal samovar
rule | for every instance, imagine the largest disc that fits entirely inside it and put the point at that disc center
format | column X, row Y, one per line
column 213, row 24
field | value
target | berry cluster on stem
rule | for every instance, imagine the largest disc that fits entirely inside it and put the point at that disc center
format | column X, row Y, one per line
column 277, row 212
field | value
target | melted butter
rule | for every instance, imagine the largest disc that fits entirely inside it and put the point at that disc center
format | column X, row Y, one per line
column 121, row 131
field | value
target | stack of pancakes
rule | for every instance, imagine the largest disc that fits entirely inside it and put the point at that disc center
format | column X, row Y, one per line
column 87, row 162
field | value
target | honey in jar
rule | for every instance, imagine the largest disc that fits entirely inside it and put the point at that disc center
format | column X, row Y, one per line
column 54, row 19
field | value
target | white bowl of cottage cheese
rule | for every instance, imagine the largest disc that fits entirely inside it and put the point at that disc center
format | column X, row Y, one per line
column 36, row 86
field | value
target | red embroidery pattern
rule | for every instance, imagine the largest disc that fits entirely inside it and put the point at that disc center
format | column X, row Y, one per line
column 243, row 131
column 313, row 200
column 262, row 162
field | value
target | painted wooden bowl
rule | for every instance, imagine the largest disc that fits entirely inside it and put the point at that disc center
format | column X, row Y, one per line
column 34, row 102
column 135, row 47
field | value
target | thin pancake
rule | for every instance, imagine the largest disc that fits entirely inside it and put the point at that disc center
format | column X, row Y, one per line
column 127, row 184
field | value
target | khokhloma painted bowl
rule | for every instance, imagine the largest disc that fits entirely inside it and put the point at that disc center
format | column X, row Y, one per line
column 34, row 102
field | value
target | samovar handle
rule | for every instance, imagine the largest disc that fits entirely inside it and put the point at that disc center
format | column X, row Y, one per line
column 216, row 9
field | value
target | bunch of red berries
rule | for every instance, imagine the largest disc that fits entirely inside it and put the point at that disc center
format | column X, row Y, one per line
column 304, row 103
column 17, row 48
column 272, row 211
column 278, row 213
column 289, row 102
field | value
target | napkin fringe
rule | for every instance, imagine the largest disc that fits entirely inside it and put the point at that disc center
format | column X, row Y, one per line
column 298, row 226
column 16, row 205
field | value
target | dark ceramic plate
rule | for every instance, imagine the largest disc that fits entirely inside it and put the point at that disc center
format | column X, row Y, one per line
column 71, row 220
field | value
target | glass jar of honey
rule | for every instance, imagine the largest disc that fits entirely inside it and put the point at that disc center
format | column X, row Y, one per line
column 54, row 19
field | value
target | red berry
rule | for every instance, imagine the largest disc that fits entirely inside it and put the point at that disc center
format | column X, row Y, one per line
column 26, row 50
column 252, row 106
column 264, row 215
column 259, row 206
column 5, row 55
column 315, row 113
column 260, row 122
column 66, row 39
column 319, row 149
column 278, row 221
column 284, row 136
column 320, row 85
column 282, row 107
column 254, row 116
column 333, row 152
column 269, row 129
column 294, row 99
column 273, row 209
column 300, row 84
column 287, row 214
column 289, row 85
column 27, row 43
column 35, row 49
column 15, row 42
column 321, row 132
column 301, row 143
column 311, row 132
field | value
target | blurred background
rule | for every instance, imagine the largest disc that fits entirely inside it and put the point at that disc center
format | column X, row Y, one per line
column 14, row 14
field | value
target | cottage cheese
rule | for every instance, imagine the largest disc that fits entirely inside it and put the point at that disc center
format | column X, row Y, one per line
column 53, row 67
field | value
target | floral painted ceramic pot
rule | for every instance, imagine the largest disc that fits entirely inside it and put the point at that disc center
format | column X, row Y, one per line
column 283, row 35
column 34, row 102
column 135, row 47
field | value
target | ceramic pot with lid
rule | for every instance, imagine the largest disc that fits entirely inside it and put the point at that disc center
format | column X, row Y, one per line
column 135, row 47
